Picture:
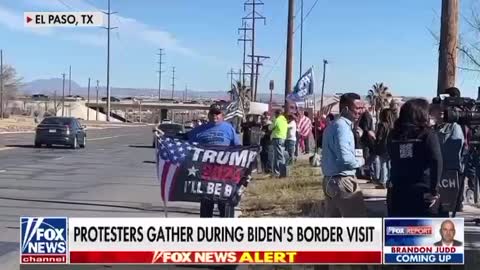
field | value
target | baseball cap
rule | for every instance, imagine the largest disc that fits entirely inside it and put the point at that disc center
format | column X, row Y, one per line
column 215, row 109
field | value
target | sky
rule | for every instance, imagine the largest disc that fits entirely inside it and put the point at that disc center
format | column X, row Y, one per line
column 364, row 42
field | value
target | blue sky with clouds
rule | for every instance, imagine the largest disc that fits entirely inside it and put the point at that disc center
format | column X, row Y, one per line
column 365, row 42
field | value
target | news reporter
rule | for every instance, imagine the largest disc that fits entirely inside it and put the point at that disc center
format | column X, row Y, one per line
column 416, row 163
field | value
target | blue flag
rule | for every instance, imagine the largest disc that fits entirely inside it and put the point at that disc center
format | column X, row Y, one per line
column 304, row 86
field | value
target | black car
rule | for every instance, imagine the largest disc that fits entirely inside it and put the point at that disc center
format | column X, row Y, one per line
column 171, row 130
column 61, row 131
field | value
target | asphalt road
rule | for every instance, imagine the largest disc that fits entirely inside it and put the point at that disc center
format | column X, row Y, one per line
column 113, row 177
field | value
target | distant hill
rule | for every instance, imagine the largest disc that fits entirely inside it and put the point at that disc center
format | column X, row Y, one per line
column 49, row 86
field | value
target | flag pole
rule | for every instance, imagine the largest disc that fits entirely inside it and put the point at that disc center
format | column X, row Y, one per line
column 165, row 207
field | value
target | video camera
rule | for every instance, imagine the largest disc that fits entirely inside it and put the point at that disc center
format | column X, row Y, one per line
column 464, row 111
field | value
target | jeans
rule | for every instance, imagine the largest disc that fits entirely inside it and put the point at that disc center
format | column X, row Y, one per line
column 290, row 147
column 278, row 157
column 266, row 157
column 382, row 169
column 206, row 209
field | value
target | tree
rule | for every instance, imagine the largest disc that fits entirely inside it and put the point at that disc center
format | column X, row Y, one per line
column 469, row 46
column 379, row 97
column 11, row 83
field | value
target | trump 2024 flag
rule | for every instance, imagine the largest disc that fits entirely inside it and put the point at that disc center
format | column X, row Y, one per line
column 189, row 171
column 304, row 86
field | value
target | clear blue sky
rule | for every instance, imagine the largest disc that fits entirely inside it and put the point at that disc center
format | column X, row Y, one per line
column 365, row 42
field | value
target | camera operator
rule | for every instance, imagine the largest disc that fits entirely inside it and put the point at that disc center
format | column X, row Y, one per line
column 467, row 158
column 451, row 138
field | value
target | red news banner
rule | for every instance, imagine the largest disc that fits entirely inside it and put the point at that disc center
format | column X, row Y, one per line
column 225, row 241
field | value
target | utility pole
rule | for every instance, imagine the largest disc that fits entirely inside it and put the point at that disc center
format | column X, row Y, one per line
column 63, row 95
column 96, row 117
column 289, row 58
column 253, row 16
column 185, row 93
column 244, row 39
column 325, row 62
column 173, row 82
column 55, row 102
column 108, row 28
column 88, row 100
column 301, row 37
column 160, row 71
column 257, row 64
column 70, row 81
column 1, row 84
column 231, row 73
column 447, row 60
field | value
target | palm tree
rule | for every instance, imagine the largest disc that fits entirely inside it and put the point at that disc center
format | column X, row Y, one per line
column 379, row 97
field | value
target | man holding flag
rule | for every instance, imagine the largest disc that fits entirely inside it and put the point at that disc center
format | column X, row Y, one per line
column 215, row 132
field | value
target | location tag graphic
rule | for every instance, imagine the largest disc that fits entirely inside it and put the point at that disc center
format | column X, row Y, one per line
column 63, row 19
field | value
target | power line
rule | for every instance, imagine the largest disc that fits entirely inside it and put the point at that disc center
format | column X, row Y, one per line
column 65, row 4
column 160, row 71
column 173, row 82
column 283, row 51
column 254, row 15
column 244, row 39
column 109, row 29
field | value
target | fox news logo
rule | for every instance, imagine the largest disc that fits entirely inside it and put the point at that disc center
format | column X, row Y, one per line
column 409, row 230
column 43, row 240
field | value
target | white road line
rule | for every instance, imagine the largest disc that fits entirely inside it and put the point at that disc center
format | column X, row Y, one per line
column 103, row 138
column 58, row 158
column 7, row 148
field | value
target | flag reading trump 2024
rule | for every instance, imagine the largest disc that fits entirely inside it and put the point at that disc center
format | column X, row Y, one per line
column 190, row 172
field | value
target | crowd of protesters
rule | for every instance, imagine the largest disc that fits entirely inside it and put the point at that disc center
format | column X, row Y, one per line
column 282, row 137
column 406, row 151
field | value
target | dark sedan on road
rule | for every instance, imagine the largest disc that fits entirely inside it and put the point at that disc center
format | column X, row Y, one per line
column 61, row 131
column 172, row 130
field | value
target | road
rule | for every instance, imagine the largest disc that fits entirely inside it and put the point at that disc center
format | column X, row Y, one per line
column 113, row 177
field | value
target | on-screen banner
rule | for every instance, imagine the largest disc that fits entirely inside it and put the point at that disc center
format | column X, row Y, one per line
column 194, row 241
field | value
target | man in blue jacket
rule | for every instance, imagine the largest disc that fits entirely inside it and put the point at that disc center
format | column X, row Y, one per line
column 215, row 132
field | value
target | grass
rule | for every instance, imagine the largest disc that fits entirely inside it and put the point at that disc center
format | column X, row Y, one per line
column 300, row 194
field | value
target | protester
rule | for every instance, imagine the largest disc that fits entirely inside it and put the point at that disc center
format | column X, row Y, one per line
column 367, row 139
column 279, row 135
column 395, row 107
column 215, row 132
column 305, row 130
column 330, row 118
column 321, row 124
column 266, row 153
column 416, row 163
column 343, row 195
column 385, row 125
column 291, row 140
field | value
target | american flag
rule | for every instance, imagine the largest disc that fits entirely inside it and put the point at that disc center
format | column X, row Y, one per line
column 304, row 126
column 234, row 110
column 170, row 155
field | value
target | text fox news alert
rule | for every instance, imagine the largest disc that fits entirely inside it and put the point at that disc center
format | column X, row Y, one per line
column 350, row 241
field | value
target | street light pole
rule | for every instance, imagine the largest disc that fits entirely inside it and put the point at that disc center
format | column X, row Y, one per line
column 325, row 62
